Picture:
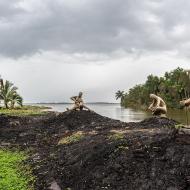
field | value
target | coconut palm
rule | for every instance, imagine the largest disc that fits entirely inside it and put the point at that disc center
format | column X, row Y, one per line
column 8, row 93
column 119, row 94
column 16, row 99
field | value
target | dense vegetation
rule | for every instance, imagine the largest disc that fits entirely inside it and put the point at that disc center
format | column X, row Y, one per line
column 172, row 87
column 9, row 94
column 13, row 174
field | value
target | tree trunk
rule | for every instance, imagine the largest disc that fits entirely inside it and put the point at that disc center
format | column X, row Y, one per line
column 6, row 104
column 12, row 105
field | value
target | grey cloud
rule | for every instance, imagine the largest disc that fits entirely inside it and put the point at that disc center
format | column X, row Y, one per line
column 93, row 26
column 9, row 9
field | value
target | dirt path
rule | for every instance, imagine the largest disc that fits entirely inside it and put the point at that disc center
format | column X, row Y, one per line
column 83, row 150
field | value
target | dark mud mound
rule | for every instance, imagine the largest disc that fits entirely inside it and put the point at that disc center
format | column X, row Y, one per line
column 142, row 158
column 5, row 120
column 81, row 119
column 9, row 121
column 157, row 122
column 86, row 151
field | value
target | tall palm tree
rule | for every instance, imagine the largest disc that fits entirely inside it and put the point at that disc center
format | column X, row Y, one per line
column 8, row 93
column 120, row 94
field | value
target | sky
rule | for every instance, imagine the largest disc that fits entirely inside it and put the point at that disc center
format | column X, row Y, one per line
column 52, row 50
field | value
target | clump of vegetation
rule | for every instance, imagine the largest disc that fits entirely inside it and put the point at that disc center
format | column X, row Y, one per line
column 13, row 174
column 9, row 94
column 177, row 126
column 172, row 87
column 116, row 136
column 75, row 137
column 120, row 148
column 25, row 111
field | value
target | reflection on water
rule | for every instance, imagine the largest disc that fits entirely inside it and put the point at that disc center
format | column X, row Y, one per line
column 124, row 114
column 179, row 115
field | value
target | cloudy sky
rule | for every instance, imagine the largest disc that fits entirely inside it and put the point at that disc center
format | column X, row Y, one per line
column 53, row 49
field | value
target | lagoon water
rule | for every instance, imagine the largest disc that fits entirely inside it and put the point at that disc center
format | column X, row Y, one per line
column 115, row 111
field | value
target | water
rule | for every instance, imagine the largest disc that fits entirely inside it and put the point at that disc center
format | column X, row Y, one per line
column 115, row 111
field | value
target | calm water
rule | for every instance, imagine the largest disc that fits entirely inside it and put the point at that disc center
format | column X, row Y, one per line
column 124, row 114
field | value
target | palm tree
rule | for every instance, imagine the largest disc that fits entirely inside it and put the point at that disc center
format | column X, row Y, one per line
column 8, row 93
column 121, row 95
column 16, row 99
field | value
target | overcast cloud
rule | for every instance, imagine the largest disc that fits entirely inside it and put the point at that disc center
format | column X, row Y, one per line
column 53, row 49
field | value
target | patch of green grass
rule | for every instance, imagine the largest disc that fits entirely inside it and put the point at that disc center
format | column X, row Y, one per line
column 75, row 137
column 121, row 148
column 116, row 136
column 14, row 175
column 177, row 126
column 25, row 111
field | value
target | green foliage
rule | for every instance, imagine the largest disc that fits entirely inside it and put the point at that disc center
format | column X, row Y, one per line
column 75, row 137
column 173, row 87
column 16, row 99
column 9, row 94
column 177, row 126
column 13, row 174
column 25, row 111
column 116, row 136
column 120, row 95
column 120, row 148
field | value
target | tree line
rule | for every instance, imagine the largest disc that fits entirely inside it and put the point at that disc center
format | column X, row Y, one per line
column 9, row 95
column 172, row 87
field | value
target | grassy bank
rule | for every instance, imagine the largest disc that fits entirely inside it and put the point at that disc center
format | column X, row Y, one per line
column 14, row 175
column 25, row 111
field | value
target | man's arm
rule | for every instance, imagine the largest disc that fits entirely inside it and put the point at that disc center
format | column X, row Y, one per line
column 187, row 102
column 73, row 98
column 151, row 106
column 157, row 102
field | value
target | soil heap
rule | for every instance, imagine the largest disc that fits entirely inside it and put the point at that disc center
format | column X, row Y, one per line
column 82, row 150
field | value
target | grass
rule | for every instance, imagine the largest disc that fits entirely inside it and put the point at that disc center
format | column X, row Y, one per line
column 177, row 126
column 75, row 137
column 116, row 136
column 14, row 175
column 25, row 111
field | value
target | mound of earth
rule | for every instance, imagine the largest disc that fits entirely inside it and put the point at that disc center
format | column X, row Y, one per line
column 73, row 120
column 86, row 151
column 5, row 120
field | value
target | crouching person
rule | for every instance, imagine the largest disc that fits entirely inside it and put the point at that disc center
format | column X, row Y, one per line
column 79, row 103
column 185, row 103
column 158, row 106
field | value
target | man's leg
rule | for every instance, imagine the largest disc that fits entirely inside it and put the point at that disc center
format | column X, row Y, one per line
column 87, row 108
column 159, row 111
column 75, row 107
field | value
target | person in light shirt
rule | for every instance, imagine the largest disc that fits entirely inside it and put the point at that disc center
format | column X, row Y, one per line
column 158, row 106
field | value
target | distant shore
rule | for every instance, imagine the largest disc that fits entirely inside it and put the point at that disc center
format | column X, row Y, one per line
column 72, row 103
